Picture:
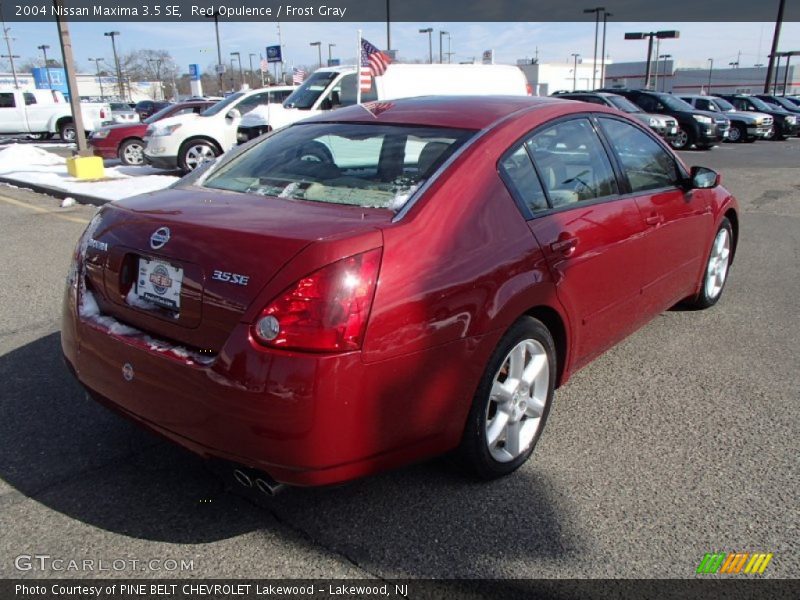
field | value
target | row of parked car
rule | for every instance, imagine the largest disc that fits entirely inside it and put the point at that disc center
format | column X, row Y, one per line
column 702, row 121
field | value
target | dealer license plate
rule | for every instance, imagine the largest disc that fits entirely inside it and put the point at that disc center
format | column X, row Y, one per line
column 160, row 283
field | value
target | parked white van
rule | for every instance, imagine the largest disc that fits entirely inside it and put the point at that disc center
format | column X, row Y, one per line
column 187, row 141
column 333, row 87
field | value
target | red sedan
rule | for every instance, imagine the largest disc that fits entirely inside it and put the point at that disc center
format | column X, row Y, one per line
column 389, row 282
column 125, row 141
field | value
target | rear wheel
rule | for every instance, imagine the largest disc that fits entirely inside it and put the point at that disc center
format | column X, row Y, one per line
column 511, row 404
column 195, row 153
column 131, row 152
column 716, row 273
column 67, row 131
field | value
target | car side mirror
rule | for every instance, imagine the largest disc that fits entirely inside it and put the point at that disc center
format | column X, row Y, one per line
column 233, row 114
column 703, row 178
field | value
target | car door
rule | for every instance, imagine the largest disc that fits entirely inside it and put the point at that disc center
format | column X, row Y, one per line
column 678, row 220
column 591, row 237
column 12, row 116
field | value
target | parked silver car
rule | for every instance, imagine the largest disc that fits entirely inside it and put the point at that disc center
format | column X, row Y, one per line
column 745, row 126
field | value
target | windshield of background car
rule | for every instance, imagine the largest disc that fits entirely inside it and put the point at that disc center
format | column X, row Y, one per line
column 723, row 104
column 784, row 103
column 221, row 105
column 761, row 105
column 624, row 104
column 673, row 103
column 305, row 96
column 120, row 107
column 373, row 166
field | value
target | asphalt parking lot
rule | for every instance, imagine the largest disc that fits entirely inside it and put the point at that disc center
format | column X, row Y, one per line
column 682, row 440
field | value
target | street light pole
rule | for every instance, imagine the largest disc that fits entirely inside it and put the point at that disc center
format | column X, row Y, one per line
column 772, row 55
column 97, row 62
column 575, row 71
column 710, row 68
column 429, row 31
column 44, row 48
column 441, row 55
column 252, row 77
column 238, row 56
column 603, row 51
column 112, row 35
column 661, row 35
column 664, row 70
column 596, row 12
column 330, row 55
column 319, row 51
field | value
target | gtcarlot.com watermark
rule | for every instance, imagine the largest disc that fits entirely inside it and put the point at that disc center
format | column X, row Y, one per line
column 48, row 563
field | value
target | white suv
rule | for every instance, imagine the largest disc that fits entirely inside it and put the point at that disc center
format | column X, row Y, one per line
column 187, row 141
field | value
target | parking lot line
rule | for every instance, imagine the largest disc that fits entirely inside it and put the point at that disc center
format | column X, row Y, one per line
column 39, row 209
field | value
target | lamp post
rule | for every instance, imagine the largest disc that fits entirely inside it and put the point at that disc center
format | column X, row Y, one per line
column 788, row 55
column 775, row 37
column 429, row 31
column 252, row 76
column 441, row 55
column 603, row 51
column 661, row 35
column 575, row 71
column 664, row 71
column 238, row 56
column 112, row 35
column 97, row 62
column 319, row 51
column 710, row 69
column 44, row 48
column 233, row 76
column 596, row 12
column 330, row 54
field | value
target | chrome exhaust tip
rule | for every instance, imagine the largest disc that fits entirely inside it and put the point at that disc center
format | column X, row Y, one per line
column 242, row 478
column 270, row 487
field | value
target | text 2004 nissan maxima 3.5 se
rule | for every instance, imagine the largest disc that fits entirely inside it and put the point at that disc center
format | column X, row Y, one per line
column 390, row 282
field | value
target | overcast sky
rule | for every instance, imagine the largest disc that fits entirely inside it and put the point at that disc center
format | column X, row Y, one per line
column 194, row 42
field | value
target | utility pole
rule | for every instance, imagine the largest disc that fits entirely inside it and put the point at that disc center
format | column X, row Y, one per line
column 388, row 30
column 112, row 35
column 72, row 82
column 97, row 62
column 772, row 55
column 10, row 56
column 603, row 51
column 441, row 54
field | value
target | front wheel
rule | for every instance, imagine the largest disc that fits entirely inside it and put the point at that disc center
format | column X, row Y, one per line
column 717, row 267
column 737, row 133
column 681, row 141
column 511, row 404
column 196, row 153
column 131, row 152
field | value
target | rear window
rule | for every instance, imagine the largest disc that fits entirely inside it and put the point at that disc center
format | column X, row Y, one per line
column 374, row 166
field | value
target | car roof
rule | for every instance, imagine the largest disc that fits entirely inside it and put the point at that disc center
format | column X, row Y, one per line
column 463, row 112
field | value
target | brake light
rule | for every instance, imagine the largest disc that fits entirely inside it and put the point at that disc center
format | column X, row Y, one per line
column 102, row 113
column 326, row 311
column 529, row 89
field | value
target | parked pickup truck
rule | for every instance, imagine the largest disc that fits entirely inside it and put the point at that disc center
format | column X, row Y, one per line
column 46, row 113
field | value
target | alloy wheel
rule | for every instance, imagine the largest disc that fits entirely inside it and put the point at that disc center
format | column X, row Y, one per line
column 718, row 264
column 517, row 401
column 681, row 140
column 133, row 154
column 199, row 154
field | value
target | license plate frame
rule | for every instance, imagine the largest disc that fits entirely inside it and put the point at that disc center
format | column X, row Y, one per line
column 159, row 282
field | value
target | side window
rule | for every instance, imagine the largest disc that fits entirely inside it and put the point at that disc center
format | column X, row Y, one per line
column 7, row 100
column 248, row 104
column 704, row 104
column 518, row 173
column 647, row 103
column 184, row 111
column 29, row 98
column 572, row 162
column 646, row 164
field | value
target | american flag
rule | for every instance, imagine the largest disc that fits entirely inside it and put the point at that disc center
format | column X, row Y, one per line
column 298, row 75
column 373, row 63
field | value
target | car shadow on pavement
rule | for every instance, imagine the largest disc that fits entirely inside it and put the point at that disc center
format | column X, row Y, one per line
column 77, row 458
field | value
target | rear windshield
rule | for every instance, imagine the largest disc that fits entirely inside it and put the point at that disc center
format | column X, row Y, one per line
column 375, row 166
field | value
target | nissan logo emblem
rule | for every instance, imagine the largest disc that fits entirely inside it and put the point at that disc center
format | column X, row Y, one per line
column 159, row 238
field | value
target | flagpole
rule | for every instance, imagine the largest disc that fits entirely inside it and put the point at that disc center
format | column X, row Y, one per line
column 358, row 69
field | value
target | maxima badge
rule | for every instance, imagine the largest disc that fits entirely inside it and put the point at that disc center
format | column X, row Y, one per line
column 159, row 238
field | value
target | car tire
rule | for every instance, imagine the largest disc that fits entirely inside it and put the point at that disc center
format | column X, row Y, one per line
column 737, row 133
column 715, row 275
column 315, row 151
column 131, row 152
column 682, row 140
column 512, row 402
column 195, row 153
column 67, row 131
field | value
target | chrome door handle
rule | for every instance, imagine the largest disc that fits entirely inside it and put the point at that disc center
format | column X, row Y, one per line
column 565, row 246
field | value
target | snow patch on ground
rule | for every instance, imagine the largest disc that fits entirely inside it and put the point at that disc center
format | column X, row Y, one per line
column 25, row 163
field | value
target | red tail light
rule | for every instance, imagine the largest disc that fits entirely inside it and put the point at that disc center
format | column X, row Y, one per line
column 529, row 89
column 102, row 113
column 326, row 311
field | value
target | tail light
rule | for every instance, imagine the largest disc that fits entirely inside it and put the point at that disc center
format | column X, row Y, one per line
column 326, row 311
column 102, row 113
column 529, row 89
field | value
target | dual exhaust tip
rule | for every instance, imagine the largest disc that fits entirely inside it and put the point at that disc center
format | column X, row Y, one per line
column 260, row 481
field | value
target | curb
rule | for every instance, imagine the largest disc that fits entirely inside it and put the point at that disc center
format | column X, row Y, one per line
column 55, row 192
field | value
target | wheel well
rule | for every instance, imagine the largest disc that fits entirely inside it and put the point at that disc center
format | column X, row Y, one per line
column 130, row 139
column 195, row 138
column 62, row 121
column 552, row 320
column 734, row 220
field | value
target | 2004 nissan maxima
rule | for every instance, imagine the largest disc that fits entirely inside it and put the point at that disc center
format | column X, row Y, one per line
column 389, row 282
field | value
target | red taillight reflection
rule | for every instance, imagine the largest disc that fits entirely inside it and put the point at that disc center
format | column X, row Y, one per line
column 325, row 311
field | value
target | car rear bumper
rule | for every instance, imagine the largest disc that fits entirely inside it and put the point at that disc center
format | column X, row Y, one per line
column 103, row 150
column 304, row 419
